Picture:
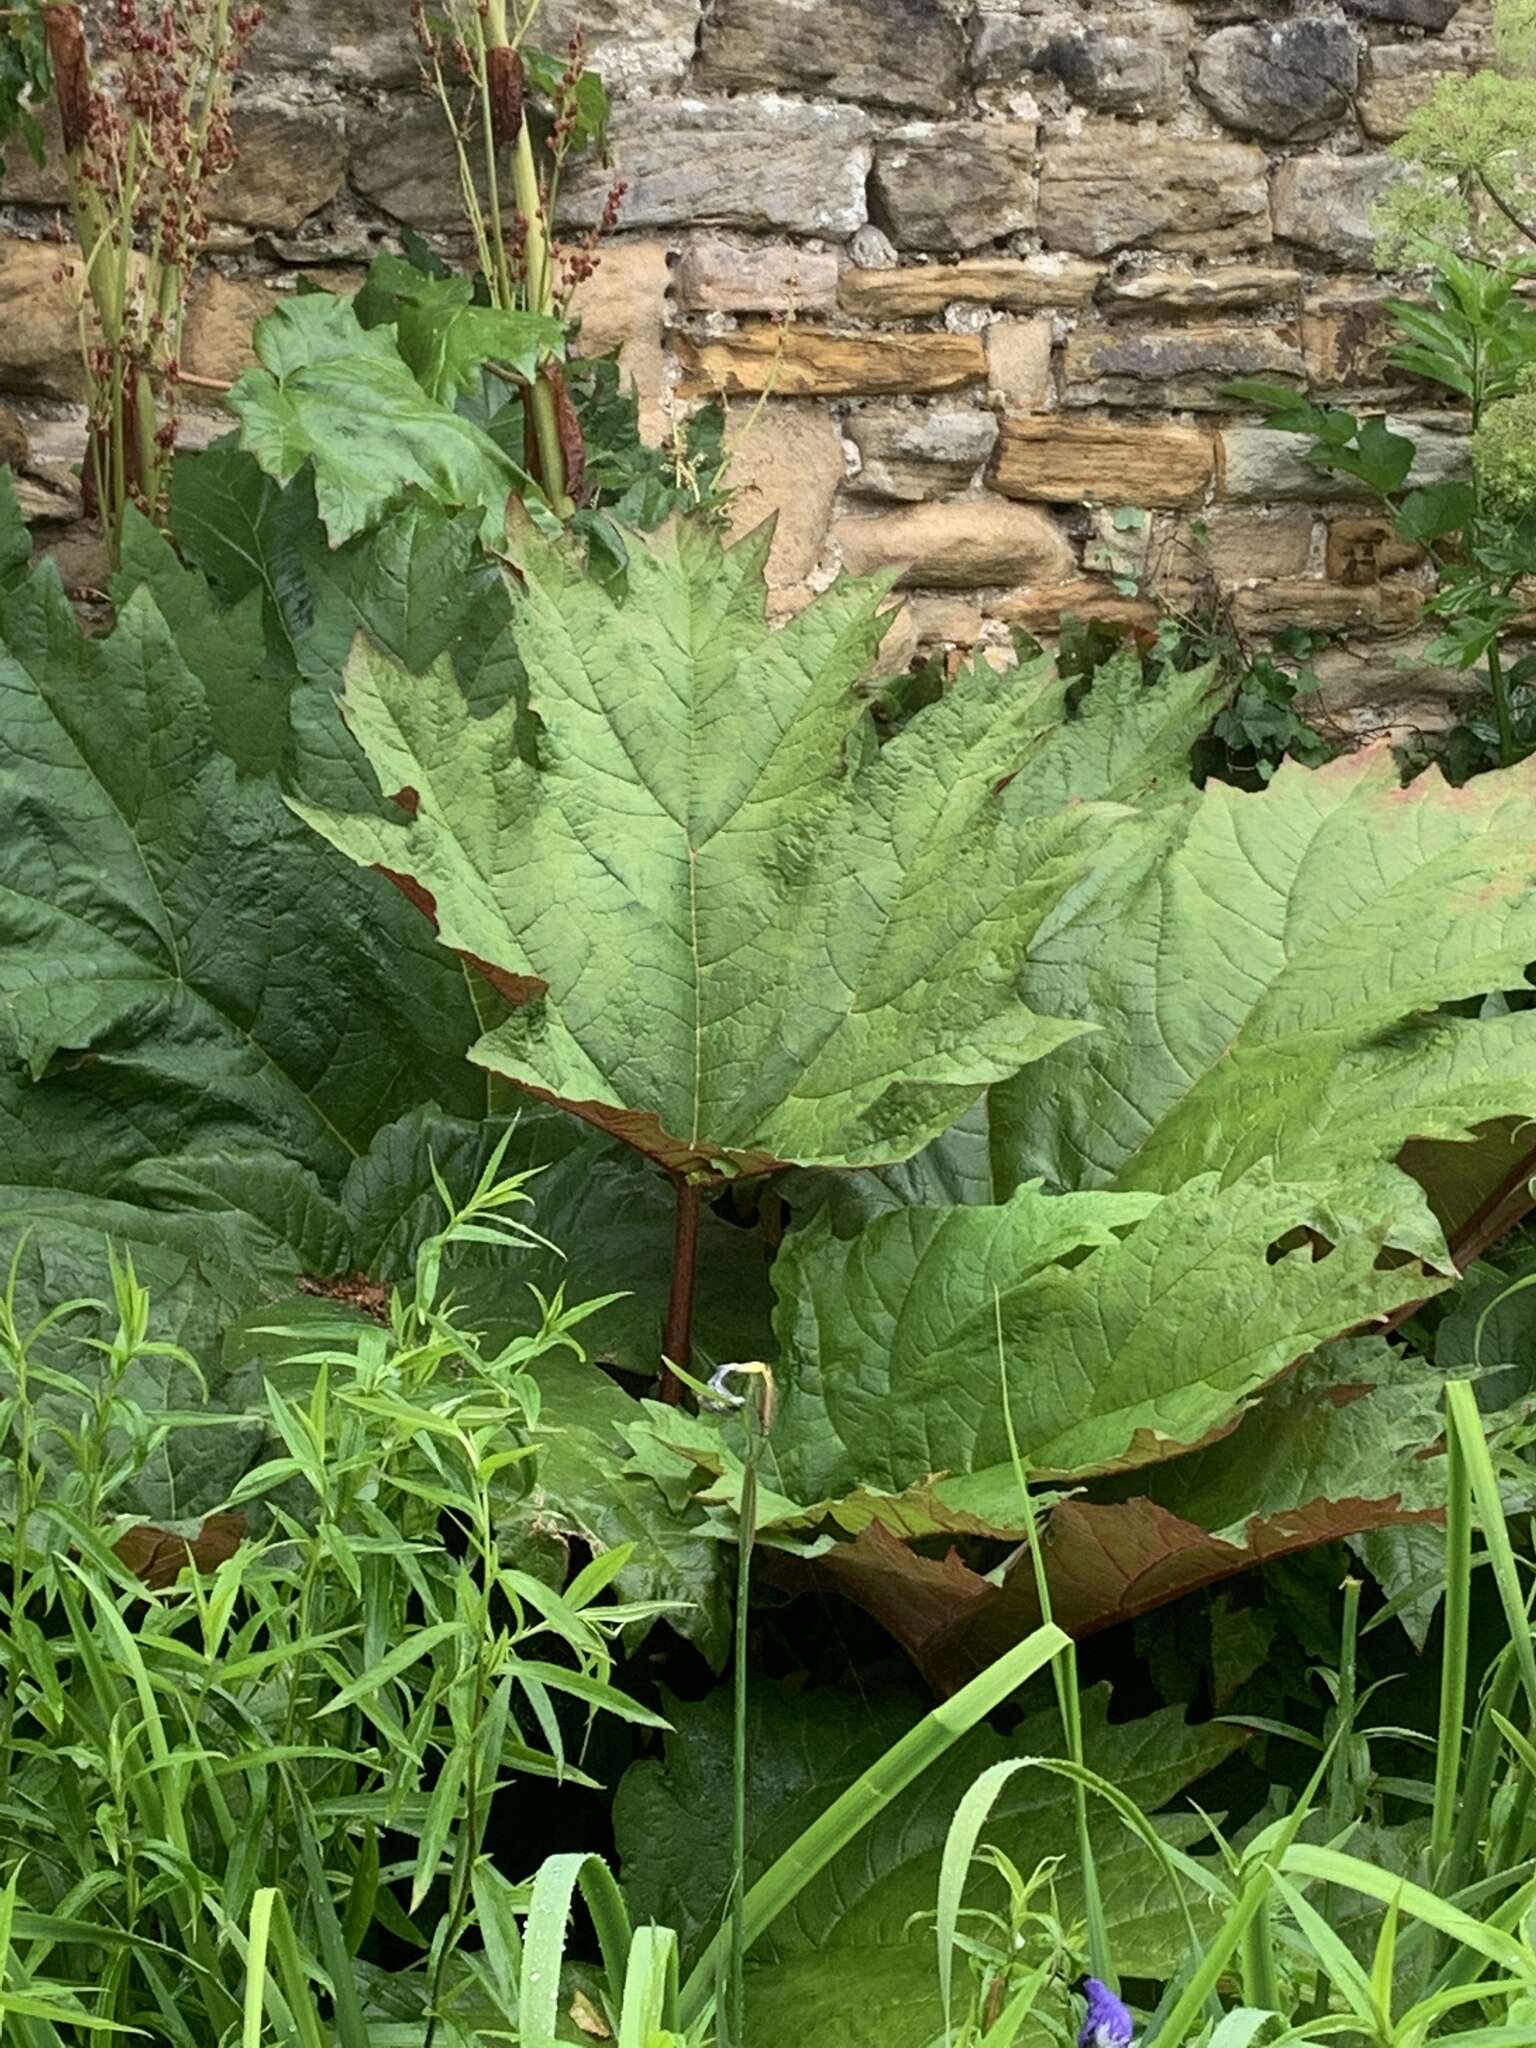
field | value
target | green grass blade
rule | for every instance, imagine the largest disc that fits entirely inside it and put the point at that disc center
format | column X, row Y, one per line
column 853, row 1810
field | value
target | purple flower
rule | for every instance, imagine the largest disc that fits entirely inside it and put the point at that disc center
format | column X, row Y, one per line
column 1107, row 2022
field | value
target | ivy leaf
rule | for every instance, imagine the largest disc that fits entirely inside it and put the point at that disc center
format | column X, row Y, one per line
column 850, row 1964
column 1379, row 457
column 736, row 933
column 340, row 395
column 1432, row 513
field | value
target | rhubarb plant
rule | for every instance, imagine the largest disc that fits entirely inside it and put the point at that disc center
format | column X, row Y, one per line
column 729, row 929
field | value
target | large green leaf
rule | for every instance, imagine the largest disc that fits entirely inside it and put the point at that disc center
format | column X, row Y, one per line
column 1128, row 1329
column 181, row 968
column 1269, row 974
column 339, row 395
column 446, row 337
column 739, row 934
column 852, row 1964
column 1345, row 1445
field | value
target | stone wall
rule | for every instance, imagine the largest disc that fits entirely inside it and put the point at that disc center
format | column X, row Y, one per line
column 1022, row 244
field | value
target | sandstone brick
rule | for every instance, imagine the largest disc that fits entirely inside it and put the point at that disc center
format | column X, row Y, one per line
column 292, row 159
column 1121, row 63
column 1364, row 550
column 1323, row 203
column 716, row 276
column 789, row 467
column 1118, row 190
column 1041, row 608
column 1348, row 335
column 762, row 163
column 1257, row 466
column 1019, row 364
column 1288, row 80
column 805, row 362
column 910, row 454
column 1059, row 461
column 956, row 186
column 1318, row 607
column 1176, row 292
column 220, row 317
column 1187, row 366
column 946, row 621
column 965, row 545
column 1015, row 285
column 884, row 53
column 40, row 336
column 623, row 306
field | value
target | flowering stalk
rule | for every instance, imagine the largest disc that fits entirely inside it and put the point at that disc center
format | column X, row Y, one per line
column 525, row 270
column 145, row 121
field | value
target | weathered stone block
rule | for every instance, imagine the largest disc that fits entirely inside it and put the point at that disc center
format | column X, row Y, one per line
column 1375, row 690
column 803, row 362
column 1019, row 363
column 364, row 40
column 1292, row 80
column 1174, row 366
column 403, row 163
column 1348, row 335
column 292, row 159
column 1364, row 550
column 1013, row 285
column 721, row 277
column 1067, row 461
column 1173, row 292
column 623, row 307
column 1431, row 14
column 1116, row 190
column 911, row 456
column 789, row 467
column 1318, row 607
column 1122, row 63
column 1257, row 466
column 965, row 545
column 635, row 46
column 883, row 53
column 956, row 187
column 1324, row 203
column 41, row 284
column 759, row 163
column 1239, row 546
column 1396, row 79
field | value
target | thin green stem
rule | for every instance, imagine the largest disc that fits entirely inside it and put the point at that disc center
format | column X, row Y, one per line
column 745, row 1536
column 1453, row 1656
column 1501, row 706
